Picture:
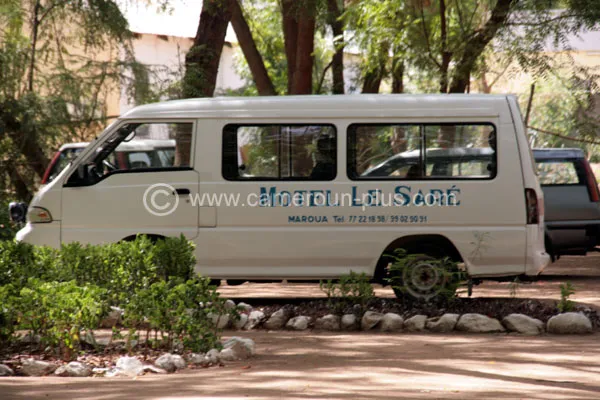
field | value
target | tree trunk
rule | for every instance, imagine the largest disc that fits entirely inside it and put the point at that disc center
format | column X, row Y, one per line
column 290, row 37
column 18, row 182
column 476, row 45
column 202, row 64
column 302, row 82
column 202, row 60
column 264, row 85
column 372, row 78
column 337, row 62
column 397, row 76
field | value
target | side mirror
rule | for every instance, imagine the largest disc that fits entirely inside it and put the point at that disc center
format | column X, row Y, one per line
column 17, row 212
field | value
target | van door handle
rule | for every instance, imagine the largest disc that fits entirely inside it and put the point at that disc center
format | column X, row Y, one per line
column 182, row 191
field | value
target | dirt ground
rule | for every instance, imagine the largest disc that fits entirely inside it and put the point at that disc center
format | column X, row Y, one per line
column 305, row 365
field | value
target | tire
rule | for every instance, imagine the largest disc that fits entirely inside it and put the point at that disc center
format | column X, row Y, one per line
column 424, row 278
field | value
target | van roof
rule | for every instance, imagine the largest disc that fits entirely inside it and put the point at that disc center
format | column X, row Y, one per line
column 314, row 106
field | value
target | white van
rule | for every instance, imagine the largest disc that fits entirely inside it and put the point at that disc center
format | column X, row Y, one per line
column 313, row 187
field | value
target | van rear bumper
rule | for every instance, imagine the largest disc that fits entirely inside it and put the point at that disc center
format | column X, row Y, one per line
column 537, row 258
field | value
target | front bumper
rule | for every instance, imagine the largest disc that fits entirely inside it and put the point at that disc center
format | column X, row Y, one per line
column 47, row 234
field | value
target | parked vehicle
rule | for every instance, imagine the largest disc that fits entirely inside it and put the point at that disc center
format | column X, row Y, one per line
column 138, row 154
column 310, row 187
column 572, row 201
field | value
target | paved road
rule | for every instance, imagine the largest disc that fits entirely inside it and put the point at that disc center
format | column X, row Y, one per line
column 362, row 366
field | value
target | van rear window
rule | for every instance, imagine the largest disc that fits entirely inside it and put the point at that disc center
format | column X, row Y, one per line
column 560, row 172
column 279, row 152
column 421, row 151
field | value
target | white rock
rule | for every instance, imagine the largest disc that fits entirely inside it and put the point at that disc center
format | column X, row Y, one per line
column 277, row 320
column 445, row 323
column 415, row 324
column 5, row 370
column 114, row 317
column 523, row 324
column 196, row 358
column 329, row 322
column 170, row 362
column 30, row 338
column 221, row 321
column 31, row 367
column 153, row 369
column 370, row 319
column 246, row 342
column 245, row 307
column 101, row 371
column 212, row 356
column 229, row 304
column 570, row 322
column 349, row 322
column 298, row 323
column 241, row 322
column 74, row 369
column 254, row 319
column 127, row 366
column 479, row 323
column 391, row 323
column 227, row 355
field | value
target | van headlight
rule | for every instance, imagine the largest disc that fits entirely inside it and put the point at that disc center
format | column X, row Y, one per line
column 37, row 215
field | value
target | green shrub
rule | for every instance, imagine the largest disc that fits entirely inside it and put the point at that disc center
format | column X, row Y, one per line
column 60, row 312
column 351, row 289
column 8, row 313
column 177, row 311
column 17, row 263
column 566, row 290
column 174, row 257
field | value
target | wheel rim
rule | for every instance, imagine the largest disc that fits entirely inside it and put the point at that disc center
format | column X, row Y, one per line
column 423, row 279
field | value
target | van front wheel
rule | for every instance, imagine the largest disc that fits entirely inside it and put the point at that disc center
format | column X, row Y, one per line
column 423, row 277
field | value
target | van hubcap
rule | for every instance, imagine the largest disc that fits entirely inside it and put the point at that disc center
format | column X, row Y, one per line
column 424, row 280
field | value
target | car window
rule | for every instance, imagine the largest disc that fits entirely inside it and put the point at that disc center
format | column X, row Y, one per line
column 559, row 172
column 65, row 157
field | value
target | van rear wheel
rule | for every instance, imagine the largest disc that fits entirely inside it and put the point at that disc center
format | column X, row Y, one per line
column 424, row 277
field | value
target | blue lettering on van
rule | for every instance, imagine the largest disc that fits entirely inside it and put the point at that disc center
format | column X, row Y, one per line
column 402, row 196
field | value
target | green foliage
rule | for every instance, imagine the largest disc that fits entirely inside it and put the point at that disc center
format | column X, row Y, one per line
column 422, row 277
column 177, row 310
column 17, row 263
column 513, row 287
column 566, row 290
column 351, row 289
column 59, row 312
column 62, row 294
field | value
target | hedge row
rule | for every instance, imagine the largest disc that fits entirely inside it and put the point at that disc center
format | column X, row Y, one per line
column 62, row 295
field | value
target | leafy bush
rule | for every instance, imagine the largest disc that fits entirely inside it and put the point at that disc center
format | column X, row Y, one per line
column 17, row 263
column 349, row 290
column 60, row 294
column 566, row 290
column 8, row 229
column 60, row 312
column 179, row 311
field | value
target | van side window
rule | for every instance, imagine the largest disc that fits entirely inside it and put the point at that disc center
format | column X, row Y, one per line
column 421, row 151
column 139, row 147
column 279, row 152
